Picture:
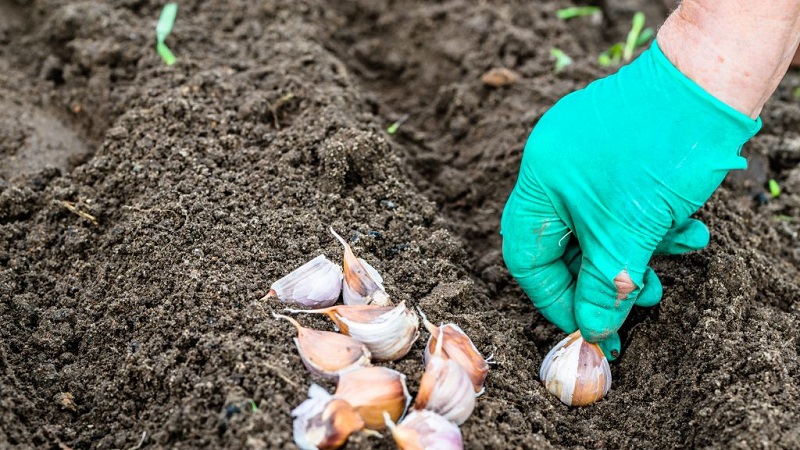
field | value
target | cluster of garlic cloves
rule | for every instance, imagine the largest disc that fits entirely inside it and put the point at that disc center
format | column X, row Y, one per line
column 315, row 284
column 446, row 387
column 421, row 430
column 363, row 396
column 387, row 331
column 576, row 371
column 324, row 422
column 326, row 353
column 362, row 283
column 459, row 347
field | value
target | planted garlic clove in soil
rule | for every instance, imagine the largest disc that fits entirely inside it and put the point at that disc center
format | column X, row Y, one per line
column 576, row 371
column 458, row 347
column 327, row 353
column 445, row 387
column 422, row 430
column 387, row 331
column 362, row 283
column 371, row 391
column 315, row 284
column 323, row 422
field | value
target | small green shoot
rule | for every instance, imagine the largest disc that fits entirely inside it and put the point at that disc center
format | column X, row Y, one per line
column 774, row 188
column 163, row 28
column 645, row 37
column 796, row 92
column 396, row 126
column 612, row 56
column 637, row 26
column 253, row 406
column 577, row 11
column 562, row 59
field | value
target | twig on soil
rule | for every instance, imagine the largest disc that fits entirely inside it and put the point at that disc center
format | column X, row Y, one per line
column 82, row 214
column 282, row 375
column 141, row 441
column 283, row 101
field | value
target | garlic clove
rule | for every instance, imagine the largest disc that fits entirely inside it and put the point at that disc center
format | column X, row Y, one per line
column 445, row 387
column 323, row 422
column 387, row 331
column 315, row 284
column 372, row 391
column 422, row 430
column 353, row 313
column 576, row 371
column 362, row 284
column 459, row 347
column 327, row 353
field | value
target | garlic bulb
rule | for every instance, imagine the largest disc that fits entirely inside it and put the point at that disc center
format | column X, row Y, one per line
column 422, row 430
column 323, row 422
column 362, row 283
column 315, row 284
column 371, row 391
column 327, row 353
column 458, row 347
column 576, row 371
column 387, row 331
column 445, row 387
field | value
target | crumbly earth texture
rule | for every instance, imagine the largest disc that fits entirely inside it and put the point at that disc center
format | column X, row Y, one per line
column 146, row 209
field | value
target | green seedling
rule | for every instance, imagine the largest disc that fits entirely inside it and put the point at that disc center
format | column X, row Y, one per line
column 612, row 55
column 253, row 406
column 774, row 188
column 577, row 11
column 796, row 92
column 562, row 59
column 396, row 126
column 163, row 28
column 645, row 37
column 637, row 25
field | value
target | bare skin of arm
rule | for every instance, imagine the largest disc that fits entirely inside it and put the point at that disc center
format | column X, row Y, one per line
column 737, row 50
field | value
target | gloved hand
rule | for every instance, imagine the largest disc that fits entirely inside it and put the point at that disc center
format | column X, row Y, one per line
column 609, row 176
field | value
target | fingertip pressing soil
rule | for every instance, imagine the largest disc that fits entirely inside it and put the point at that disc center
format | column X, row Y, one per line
column 145, row 210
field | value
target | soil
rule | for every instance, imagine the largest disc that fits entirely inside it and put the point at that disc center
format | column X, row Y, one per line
column 146, row 209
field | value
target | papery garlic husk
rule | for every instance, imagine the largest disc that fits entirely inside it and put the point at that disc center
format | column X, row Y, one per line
column 362, row 283
column 323, row 422
column 445, row 387
column 371, row 391
column 327, row 353
column 576, row 371
column 458, row 347
column 422, row 430
column 387, row 331
column 315, row 284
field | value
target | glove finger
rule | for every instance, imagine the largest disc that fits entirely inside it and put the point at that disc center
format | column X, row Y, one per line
column 651, row 292
column 688, row 236
column 611, row 346
column 533, row 244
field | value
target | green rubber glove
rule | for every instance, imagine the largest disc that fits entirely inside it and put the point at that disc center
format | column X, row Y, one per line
column 609, row 176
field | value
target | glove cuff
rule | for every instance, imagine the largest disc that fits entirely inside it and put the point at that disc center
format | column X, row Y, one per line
column 736, row 126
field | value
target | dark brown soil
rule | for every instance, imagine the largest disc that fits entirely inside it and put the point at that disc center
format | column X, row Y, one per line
column 207, row 180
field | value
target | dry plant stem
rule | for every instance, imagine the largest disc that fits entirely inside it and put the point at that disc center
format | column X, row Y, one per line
column 737, row 50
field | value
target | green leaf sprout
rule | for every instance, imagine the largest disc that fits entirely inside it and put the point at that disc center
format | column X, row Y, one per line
column 163, row 28
column 637, row 26
column 562, row 59
column 774, row 188
column 577, row 11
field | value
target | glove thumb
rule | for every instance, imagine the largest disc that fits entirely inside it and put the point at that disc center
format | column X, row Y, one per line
column 687, row 236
